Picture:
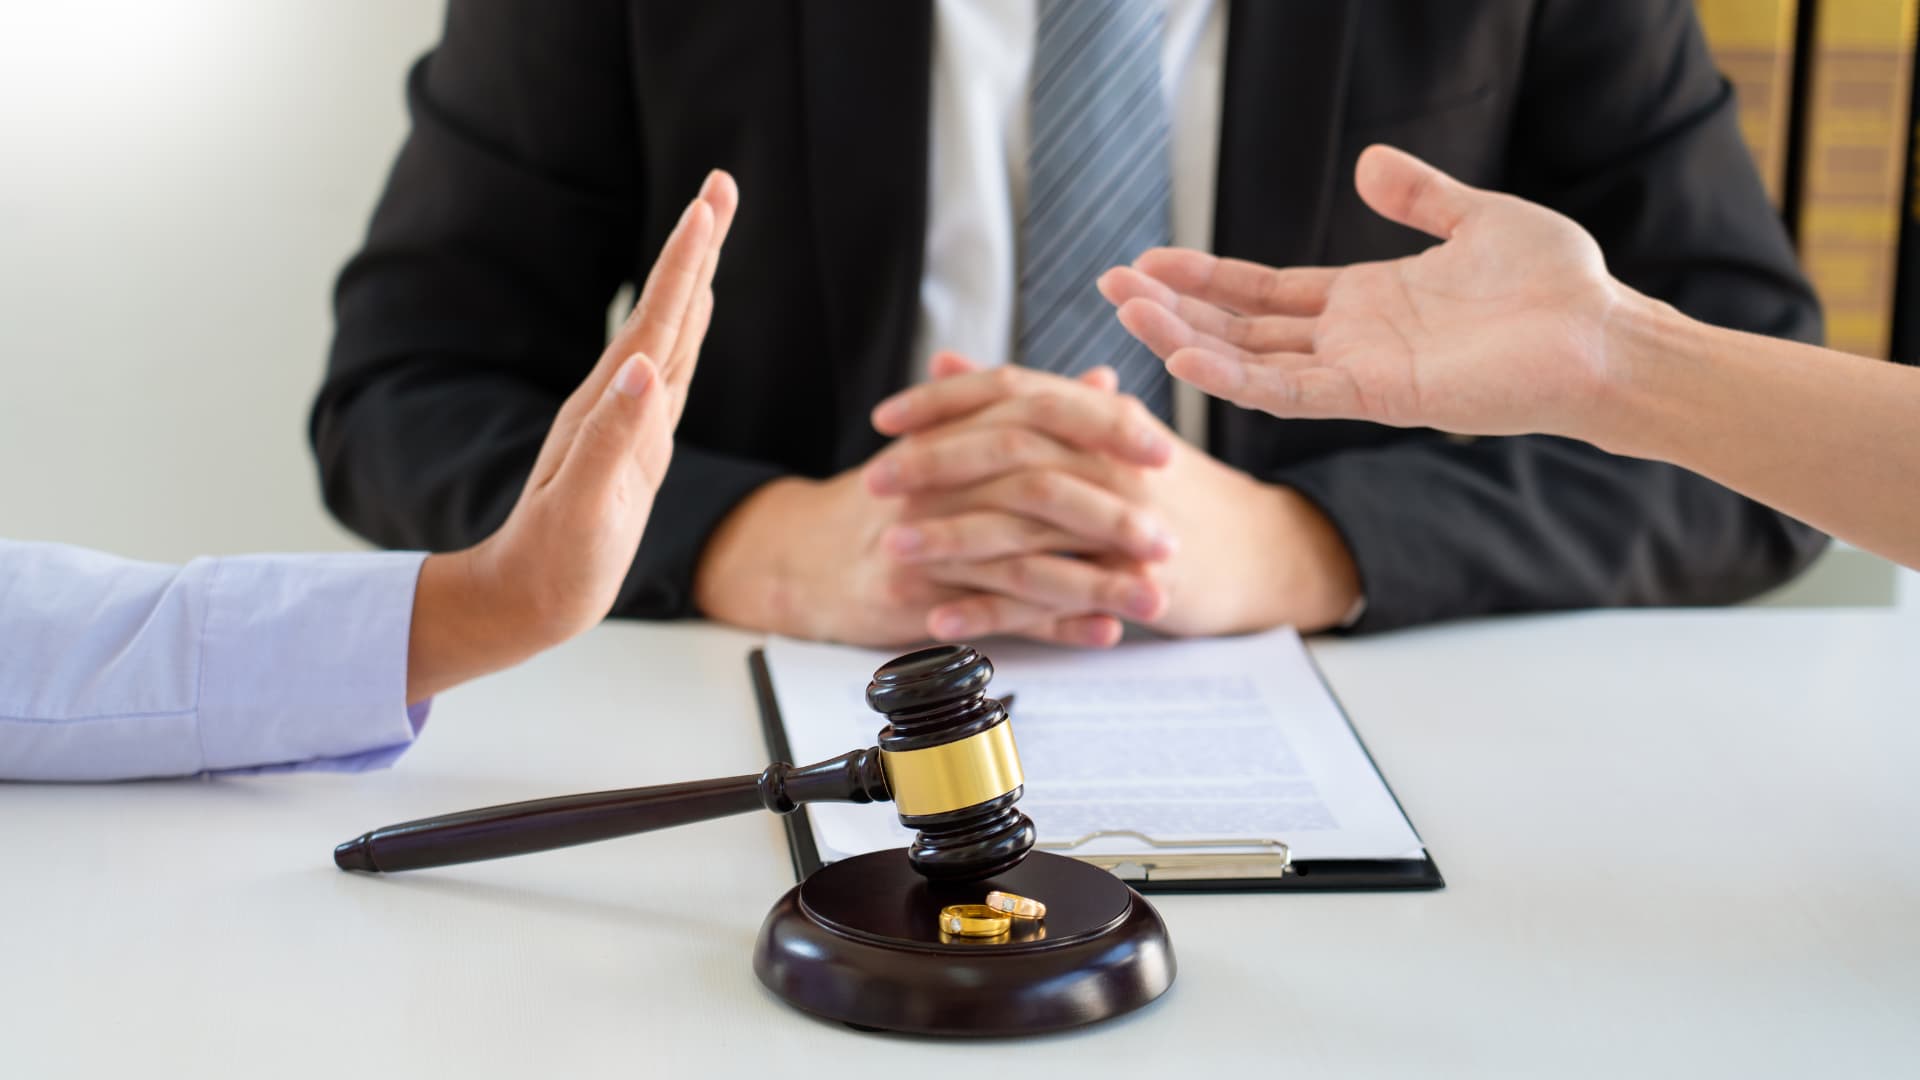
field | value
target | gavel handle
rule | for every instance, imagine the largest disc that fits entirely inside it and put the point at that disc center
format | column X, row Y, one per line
column 543, row 824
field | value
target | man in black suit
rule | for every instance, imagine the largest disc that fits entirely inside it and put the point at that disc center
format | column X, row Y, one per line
column 914, row 173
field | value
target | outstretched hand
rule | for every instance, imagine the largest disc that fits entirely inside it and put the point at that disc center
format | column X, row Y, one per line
column 554, row 568
column 1497, row 330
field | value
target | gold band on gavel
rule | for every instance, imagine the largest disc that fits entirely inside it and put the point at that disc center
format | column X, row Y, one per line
column 956, row 775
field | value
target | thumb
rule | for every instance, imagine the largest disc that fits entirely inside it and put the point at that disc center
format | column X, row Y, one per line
column 624, row 425
column 1402, row 188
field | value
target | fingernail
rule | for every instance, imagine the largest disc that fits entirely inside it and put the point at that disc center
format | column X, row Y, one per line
column 905, row 539
column 1139, row 601
column 1151, row 443
column 634, row 376
column 1155, row 541
column 707, row 185
column 883, row 477
column 951, row 624
column 889, row 413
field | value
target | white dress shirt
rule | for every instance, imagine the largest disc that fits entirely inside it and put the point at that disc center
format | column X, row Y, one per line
column 977, row 169
column 977, row 174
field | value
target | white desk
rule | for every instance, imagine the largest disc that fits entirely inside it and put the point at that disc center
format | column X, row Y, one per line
column 1677, row 843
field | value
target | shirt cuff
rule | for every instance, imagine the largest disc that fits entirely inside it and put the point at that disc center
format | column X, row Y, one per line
column 304, row 662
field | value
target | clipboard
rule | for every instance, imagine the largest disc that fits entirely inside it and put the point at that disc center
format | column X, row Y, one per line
column 1184, row 872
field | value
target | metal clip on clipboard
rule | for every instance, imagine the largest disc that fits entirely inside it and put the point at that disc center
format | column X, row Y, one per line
column 1274, row 862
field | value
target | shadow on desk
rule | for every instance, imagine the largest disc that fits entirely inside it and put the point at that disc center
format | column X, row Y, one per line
column 605, row 914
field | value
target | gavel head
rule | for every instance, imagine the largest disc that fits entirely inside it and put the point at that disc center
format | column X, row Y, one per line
column 950, row 763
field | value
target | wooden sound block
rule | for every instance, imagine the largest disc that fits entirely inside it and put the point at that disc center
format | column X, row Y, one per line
column 860, row 942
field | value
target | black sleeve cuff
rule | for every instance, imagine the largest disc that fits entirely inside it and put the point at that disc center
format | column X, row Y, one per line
column 700, row 489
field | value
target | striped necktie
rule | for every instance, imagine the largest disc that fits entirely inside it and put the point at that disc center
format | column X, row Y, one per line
column 1099, row 174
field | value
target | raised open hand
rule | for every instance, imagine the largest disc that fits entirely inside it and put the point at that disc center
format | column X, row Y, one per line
column 1497, row 330
column 554, row 568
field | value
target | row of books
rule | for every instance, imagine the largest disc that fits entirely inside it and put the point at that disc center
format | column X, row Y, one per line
column 1828, row 107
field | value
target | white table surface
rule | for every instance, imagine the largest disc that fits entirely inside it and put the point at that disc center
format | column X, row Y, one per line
column 1677, row 843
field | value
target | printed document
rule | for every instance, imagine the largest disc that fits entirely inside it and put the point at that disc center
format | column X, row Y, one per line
column 1215, row 739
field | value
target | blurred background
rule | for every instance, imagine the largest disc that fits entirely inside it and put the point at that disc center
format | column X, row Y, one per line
column 183, row 178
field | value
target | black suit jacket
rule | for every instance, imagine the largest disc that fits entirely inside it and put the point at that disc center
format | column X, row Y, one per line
column 553, row 146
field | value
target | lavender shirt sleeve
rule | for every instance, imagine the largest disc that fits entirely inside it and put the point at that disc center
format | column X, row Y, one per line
column 113, row 669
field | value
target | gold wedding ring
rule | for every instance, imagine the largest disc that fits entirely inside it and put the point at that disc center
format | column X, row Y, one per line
column 1019, row 907
column 973, row 920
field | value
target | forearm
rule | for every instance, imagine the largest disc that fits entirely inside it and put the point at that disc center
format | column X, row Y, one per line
column 1829, row 438
column 111, row 669
column 1533, row 523
column 465, row 625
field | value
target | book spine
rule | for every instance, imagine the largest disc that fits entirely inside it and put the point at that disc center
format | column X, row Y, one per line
column 1906, row 279
column 1854, row 166
column 1753, row 43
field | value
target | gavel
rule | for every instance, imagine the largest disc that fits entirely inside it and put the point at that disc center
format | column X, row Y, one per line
column 946, row 760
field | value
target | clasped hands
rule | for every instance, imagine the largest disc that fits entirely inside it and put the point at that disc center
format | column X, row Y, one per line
column 1015, row 501
column 1058, row 508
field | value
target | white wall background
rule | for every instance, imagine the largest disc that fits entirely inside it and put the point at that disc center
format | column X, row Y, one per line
column 179, row 182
